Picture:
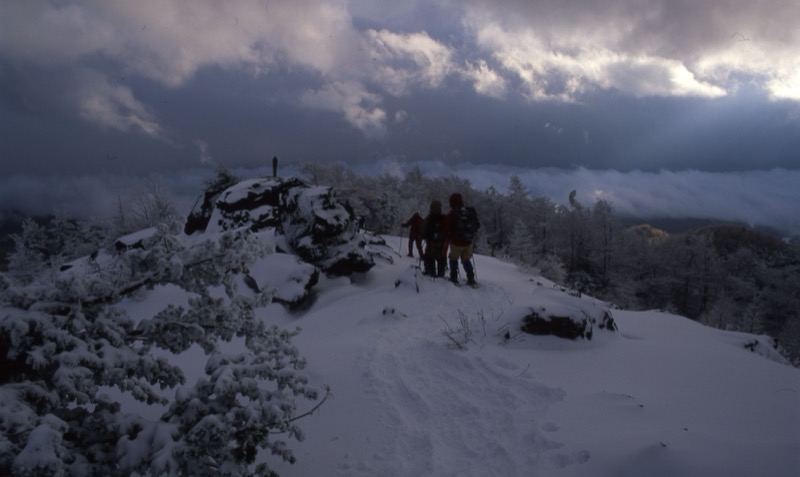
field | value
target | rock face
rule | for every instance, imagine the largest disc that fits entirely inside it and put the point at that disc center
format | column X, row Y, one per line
column 557, row 313
column 306, row 220
column 539, row 322
column 199, row 218
column 254, row 203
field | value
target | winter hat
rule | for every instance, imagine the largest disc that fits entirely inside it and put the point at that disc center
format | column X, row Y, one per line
column 456, row 200
column 436, row 207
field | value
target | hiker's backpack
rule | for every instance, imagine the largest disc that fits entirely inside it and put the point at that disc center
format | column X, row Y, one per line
column 434, row 225
column 467, row 224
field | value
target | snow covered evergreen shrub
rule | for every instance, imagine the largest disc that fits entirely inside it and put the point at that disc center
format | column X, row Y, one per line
column 65, row 338
column 146, row 206
column 551, row 267
column 45, row 246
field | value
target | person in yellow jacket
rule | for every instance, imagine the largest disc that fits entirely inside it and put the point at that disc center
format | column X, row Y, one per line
column 461, row 224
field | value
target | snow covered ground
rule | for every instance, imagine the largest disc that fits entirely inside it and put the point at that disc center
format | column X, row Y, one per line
column 662, row 396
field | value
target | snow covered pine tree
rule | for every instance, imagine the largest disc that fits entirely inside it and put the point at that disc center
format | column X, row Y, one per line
column 67, row 341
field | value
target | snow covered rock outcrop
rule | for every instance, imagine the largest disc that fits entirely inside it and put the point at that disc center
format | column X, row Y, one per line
column 563, row 315
column 306, row 220
column 289, row 279
column 135, row 240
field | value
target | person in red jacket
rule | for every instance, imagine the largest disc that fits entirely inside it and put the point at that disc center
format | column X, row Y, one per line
column 414, row 233
column 461, row 247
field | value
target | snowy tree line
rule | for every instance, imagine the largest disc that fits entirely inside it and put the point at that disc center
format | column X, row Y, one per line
column 727, row 276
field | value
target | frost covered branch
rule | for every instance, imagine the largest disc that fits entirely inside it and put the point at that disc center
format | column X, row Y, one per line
column 66, row 339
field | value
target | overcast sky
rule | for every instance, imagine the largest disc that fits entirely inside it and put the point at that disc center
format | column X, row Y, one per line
column 670, row 107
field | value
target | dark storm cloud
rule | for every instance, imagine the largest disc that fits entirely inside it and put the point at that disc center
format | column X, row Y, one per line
column 133, row 88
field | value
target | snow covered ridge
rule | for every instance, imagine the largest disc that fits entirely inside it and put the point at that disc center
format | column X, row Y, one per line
column 180, row 354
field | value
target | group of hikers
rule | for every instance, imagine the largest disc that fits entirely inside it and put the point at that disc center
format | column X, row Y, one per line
column 455, row 230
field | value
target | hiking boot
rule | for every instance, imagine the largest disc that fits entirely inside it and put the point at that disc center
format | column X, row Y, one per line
column 454, row 271
column 470, row 276
column 429, row 266
column 441, row 267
